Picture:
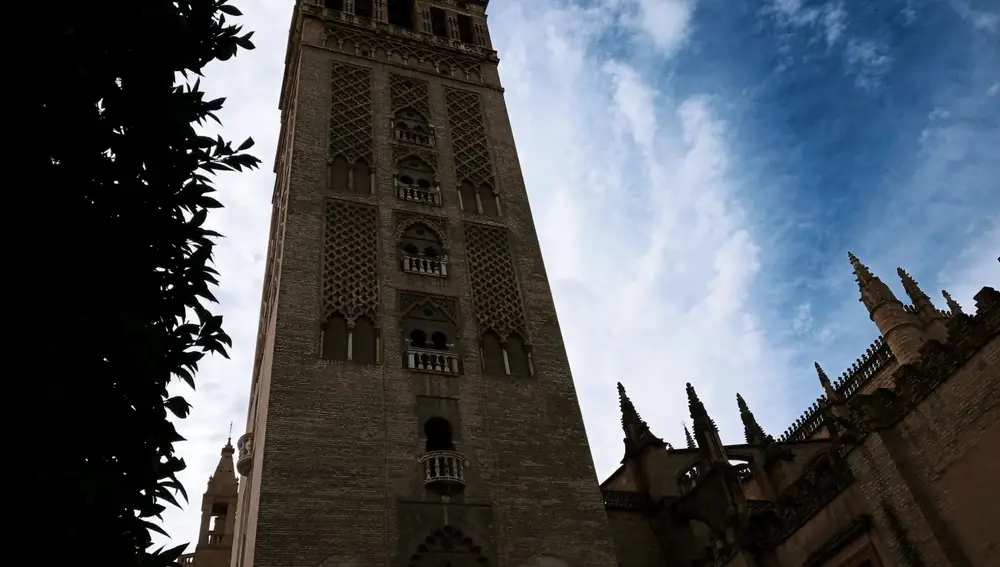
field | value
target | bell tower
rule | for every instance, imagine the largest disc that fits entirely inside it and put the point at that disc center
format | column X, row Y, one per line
column 411, row 401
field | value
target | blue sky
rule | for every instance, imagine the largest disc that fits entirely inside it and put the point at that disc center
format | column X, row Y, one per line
column 698, row 170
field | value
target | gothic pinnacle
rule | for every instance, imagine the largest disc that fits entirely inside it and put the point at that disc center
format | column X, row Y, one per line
column 754, row 432
column 831, row 393
column 861, row 271
column 637, row 433
column 698, row 412
column 694, row 404
column 913, row 290
column 744, row 408
column 630, row 417
column 953, row 305
column 688, row 438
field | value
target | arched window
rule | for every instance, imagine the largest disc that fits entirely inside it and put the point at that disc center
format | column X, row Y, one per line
column 517, row 356
column 413, row 171
column 493, row 362
column 505, row 358
column 439, row 341
column 438, row 432
column 412, row 127
column 338, row 174
column 423, row 252
column 418, row 339
column 467, row 192
column 488, row 200
column 343, row 342
column 363, row 8
column 361, row 177
column 364, row 343
column 335, row 338
column 429, row 334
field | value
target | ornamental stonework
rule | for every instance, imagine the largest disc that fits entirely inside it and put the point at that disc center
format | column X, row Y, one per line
column 350, row 261
column 351, row 113
column 496, row 294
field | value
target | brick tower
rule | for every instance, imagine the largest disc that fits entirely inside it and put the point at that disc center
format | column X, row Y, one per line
column 218, row 516
column 411, row 403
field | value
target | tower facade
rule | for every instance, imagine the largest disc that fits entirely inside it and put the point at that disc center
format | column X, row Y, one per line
column 411, row 403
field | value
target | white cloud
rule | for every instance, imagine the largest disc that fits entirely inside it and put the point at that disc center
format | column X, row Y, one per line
column 667, row 22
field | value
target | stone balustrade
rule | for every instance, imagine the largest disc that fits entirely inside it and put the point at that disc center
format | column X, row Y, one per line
column 432, row 360
column 425, row 265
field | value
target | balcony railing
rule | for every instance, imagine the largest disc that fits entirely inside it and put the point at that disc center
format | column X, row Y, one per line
column 431, row 360
column 244, row 458
column 443, row 469
column 417, row 194
column 428, row 266
column 215, row 538
column 411, row 136
column 186, row 560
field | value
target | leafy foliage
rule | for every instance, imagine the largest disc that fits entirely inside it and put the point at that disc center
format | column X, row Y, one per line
column 118, row 275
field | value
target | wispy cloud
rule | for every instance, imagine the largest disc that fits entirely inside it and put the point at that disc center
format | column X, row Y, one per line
column 694, row 200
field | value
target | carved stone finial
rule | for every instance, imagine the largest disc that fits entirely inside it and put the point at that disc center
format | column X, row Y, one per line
column 953, row 305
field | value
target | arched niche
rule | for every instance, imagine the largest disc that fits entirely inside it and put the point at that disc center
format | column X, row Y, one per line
column 349, row 340
column 422, row 250
column 346, row 176
column 505, row 357
column 417, row 181
column 411, row 126
column 481, row 200
column 449, row 546
column 430, row 336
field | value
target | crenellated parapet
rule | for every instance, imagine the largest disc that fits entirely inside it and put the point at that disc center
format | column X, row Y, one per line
column 853, row 380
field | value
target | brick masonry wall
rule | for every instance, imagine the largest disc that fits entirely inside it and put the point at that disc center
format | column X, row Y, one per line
column 337, row 444
column 935, row 471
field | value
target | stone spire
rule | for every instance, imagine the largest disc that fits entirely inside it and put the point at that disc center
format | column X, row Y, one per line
column 831, row 393
column 688, row 438
column 874, row 292
column 916, row 295
column 705, row 431
column 953, row 305
column 637, row 432
column 753, row 431
column 901, row 328
column 224, row 481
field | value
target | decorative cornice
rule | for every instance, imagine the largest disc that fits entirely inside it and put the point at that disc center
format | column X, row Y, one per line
column 393, row 33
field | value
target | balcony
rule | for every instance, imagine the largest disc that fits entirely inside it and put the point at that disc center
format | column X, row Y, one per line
column 413, row 136
column 425, row 265
column 244, row 456
column 444, row 471
column 431, row 360
column 418, row 194
column 215, row 538
column 186, row 560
